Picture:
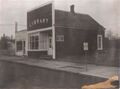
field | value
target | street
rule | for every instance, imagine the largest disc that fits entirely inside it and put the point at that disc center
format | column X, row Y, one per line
column 39, row 74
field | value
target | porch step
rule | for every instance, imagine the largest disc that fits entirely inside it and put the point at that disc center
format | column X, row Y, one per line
column 46, row 57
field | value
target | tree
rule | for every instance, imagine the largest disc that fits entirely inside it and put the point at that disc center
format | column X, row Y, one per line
column 4, row 42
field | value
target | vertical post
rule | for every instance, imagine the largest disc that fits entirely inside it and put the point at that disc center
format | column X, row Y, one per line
column 53, row 31
column 16, row 28
column 85, row 47
column 96, row 57
column 86, row 60
column 27, row 44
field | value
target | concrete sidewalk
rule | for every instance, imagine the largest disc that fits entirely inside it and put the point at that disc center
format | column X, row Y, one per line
column 89, row 69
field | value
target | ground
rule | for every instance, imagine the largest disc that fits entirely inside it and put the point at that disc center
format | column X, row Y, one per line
column 27, row 73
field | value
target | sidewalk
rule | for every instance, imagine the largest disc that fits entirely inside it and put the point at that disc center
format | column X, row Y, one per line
column 89, row 69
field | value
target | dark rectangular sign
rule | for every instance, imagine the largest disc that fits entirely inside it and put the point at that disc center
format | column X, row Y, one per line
column 40, row 18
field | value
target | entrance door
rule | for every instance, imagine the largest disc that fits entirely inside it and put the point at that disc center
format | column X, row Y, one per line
column 50, row 50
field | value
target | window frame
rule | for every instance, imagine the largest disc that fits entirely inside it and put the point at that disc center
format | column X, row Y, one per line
column 99, row 42
column 19, row 45
column 60, row 38
column 32, row 41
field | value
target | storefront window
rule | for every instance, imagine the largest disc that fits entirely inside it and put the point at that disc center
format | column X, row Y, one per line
column 34, row 42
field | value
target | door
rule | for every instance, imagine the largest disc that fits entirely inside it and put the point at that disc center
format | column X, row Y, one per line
column 50, row 50
column 24, row 48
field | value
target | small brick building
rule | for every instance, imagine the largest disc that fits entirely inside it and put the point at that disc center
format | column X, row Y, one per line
column 57, row 33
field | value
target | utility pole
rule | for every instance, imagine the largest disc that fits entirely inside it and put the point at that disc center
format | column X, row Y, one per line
column 16, row 27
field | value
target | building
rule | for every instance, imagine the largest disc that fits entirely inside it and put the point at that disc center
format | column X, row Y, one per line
column 57, row 33
column 20, row 43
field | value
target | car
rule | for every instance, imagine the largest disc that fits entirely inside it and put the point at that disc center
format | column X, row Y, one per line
column 111, row 83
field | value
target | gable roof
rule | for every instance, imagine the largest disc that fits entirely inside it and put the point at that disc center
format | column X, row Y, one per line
column 77, row 20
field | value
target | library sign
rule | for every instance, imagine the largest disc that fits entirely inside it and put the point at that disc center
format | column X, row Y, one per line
column 40, row 18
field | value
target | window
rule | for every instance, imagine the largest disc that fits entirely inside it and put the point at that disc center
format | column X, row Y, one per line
column 99, row 42
column 34, row 21
column 43, row 44
column 19, row 45
column 46, row 20
column 50, row 42
column 43, row 20
column 40, row 21
column 37, row 21
column 60, row 38
column 34, row 42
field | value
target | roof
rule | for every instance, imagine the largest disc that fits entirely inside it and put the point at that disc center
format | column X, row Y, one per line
column 21, row 35
column 24, row 30
column 75, row 20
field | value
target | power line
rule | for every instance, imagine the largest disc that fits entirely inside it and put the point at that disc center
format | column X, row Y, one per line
column 12, row 24
column 6, row 24
column 21, row 25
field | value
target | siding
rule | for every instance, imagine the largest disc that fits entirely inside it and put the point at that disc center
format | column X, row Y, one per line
column 73, row 41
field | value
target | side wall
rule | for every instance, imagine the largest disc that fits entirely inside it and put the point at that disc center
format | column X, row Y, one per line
column 73, row 41
column 21, row 36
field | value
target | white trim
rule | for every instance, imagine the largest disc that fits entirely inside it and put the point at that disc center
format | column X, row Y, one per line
column 27, row 44
column 53, row 30
column 42, row 5
column 37, row 49
column 101, row 43
column 40, row 30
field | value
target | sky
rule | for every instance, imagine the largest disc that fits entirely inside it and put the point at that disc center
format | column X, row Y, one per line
column 105, row 12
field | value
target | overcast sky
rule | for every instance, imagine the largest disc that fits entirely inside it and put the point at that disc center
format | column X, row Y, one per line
column 106, row 12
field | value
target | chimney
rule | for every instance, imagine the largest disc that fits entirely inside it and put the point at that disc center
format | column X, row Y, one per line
column 72, row 9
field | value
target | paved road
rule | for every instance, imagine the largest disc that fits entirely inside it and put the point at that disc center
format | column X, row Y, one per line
column 27, row 77
column 89, row 69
